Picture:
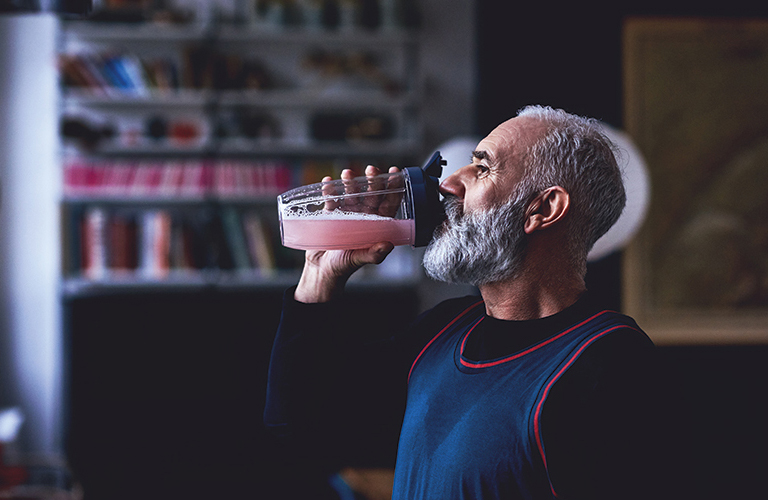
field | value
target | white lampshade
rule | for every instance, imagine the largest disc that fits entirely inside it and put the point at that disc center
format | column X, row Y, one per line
column 638, row 188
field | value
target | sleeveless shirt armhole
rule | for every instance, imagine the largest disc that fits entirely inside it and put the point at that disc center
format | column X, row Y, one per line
column 573, row 422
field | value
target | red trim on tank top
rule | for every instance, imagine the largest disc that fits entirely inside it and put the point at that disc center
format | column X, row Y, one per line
column 470, row 364
column 454, row 320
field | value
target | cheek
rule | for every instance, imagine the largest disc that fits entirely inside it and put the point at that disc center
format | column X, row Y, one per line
column 484, row 199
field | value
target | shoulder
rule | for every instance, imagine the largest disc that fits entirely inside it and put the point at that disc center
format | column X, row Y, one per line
column 601, row 415
column 456, row 304
column 413, row 338
column 619, row 342
column 620, row 361
column 614, row 378
column 447, row 310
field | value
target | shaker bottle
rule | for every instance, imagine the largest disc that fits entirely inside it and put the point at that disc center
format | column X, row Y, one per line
column 403, row 208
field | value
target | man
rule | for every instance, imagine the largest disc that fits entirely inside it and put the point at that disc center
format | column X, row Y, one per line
column 529, row 391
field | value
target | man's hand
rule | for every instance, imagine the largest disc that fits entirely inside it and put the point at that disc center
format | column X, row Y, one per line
column 326, row 271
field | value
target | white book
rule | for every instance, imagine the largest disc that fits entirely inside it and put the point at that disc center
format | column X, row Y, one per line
column 94, row 243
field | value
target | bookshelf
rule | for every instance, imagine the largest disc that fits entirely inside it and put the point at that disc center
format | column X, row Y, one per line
column 177, row 139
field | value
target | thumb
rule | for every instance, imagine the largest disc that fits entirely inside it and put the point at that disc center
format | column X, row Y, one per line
column 373, row 255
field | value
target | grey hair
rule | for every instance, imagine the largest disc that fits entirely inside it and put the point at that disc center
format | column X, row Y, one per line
column 576, row 155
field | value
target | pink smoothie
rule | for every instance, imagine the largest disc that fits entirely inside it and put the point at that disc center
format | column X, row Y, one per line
column 336, row 233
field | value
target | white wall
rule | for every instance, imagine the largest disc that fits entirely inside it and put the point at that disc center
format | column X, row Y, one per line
column 30, row 337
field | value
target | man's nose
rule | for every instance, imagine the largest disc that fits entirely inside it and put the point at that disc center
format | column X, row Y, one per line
column 453, row 184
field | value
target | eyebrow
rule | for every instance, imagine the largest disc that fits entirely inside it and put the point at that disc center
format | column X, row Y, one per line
column 481, row 155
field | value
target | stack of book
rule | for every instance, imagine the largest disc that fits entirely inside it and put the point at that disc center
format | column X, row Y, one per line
column 118, row 73
column 153, row 243
column 114, row 73
column 175, row 178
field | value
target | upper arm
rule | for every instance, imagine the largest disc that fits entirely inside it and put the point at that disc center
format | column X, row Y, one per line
column 596, row 420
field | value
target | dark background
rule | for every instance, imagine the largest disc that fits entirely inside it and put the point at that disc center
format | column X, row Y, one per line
column 167, row 396
column 167, row 388
column 570, row 57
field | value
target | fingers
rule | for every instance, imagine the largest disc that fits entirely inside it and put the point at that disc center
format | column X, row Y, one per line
column 352, row 203
column 391, row 202
column 330, row 266
column 385, row 204
column 327, row 190
column 373, row 255
column 375, row 183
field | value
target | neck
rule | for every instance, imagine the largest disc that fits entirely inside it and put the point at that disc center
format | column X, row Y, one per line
column 539, row 291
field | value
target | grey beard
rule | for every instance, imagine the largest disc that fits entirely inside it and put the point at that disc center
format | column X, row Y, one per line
column 477, row 248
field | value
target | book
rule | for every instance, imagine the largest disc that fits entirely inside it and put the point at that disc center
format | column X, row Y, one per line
column 75, row 177
column 181, row 246
column 201, row 238
column 110, row 71
column 117, row 179
column 260, row 243
column 125, row 72
column 243, row 179
column 217, row 247
column 161, row 74
column 71, row 73
column 284, row 178
column 90, row 65
column 80, row 70
column 192, row 181
column 72, row 216
column 155, row 242
column 233, row 230
column 121, row 243
column 94, row 246
column 133, row 69
column 198, row 68
column 171, row 176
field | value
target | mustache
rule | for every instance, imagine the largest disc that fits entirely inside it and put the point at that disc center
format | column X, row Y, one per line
column 454, row 209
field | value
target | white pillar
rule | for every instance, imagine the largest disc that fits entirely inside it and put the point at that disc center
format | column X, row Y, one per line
column 30, row 311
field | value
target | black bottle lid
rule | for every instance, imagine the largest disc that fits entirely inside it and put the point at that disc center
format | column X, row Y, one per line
column 428, row 211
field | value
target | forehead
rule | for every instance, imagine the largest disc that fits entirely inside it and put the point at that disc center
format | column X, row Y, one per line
column 511, row 138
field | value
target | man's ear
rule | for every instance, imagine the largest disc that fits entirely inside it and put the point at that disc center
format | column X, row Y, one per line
column 546, row 209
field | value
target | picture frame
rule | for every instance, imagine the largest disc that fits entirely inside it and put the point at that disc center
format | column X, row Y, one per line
column 696, row 105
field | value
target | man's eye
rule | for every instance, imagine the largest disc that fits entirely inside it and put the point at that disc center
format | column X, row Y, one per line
column 482, row 168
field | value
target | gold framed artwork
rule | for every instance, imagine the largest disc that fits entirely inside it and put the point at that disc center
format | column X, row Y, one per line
column 696, row 104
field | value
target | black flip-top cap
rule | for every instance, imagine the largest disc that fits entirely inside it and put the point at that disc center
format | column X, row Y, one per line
column 428, row 212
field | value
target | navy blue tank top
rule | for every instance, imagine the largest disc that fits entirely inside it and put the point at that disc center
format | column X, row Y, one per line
column 472, row 429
